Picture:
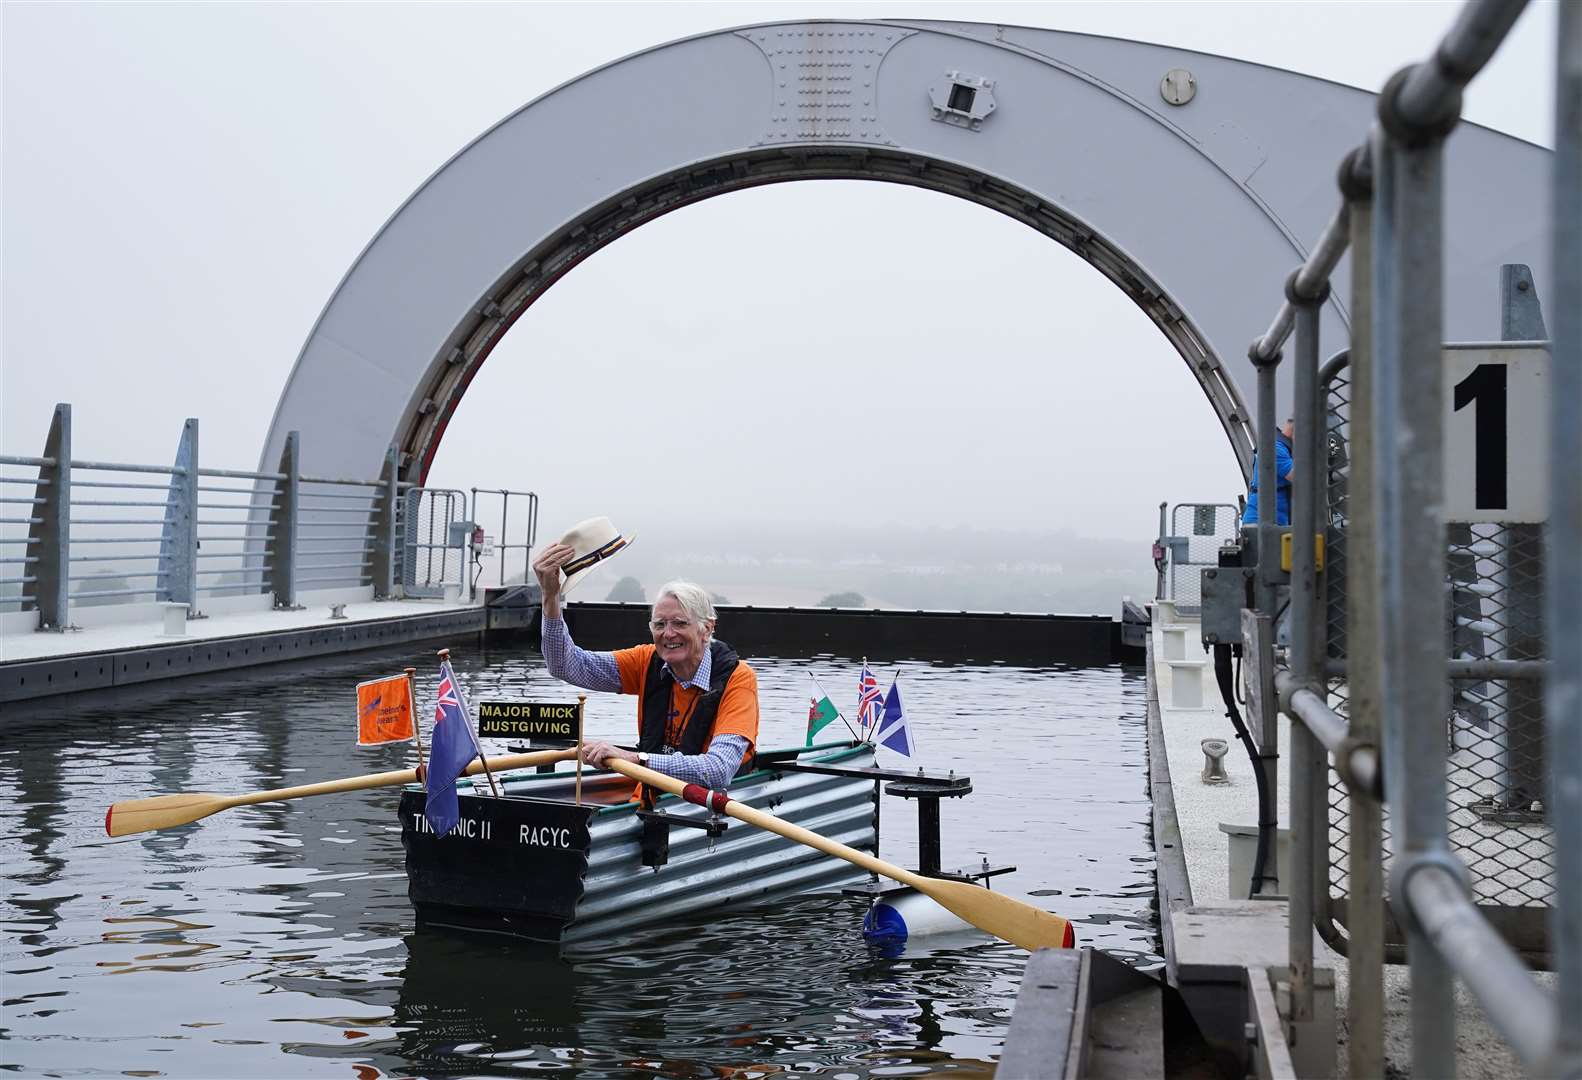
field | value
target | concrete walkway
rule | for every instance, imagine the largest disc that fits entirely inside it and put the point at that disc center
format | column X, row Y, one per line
column 1191, row 709
column 139, row 625
column 42, row 673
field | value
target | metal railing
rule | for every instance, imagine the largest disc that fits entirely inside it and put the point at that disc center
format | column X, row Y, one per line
column 1196, row 533
column 502, row 543
column 93, row 532
column 433, row 556
column 1437, row 666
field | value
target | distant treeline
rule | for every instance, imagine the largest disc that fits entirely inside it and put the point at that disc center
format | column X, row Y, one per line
column 950, row 569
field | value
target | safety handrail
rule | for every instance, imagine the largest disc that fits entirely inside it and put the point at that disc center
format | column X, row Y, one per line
column 1397, row 329
column 277, row 530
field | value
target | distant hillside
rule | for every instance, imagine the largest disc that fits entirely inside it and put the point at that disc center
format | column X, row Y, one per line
column 951, row 569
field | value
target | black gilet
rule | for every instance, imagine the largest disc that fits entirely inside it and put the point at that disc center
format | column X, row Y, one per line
column 656, row 702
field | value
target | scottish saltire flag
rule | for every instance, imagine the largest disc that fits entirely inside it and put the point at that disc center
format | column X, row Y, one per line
column 869, row 702
column 451, row 748
column 820, row 714
column 894, row 732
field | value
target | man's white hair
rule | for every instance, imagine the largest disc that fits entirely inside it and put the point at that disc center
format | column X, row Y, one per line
column 693, row 598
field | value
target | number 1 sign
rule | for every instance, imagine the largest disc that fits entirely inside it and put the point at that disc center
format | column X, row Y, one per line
column 1497, row 432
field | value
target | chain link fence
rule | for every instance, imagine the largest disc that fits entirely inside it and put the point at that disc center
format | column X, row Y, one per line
column 431, row 557
column 1197, row 532
column 1494, row 731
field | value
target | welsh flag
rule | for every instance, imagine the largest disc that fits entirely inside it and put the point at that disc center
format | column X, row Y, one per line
column 820, row 714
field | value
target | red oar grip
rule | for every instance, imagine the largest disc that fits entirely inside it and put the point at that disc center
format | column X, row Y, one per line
column 714, row 800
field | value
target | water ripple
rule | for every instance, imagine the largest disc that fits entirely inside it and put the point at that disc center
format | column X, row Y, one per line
column 278, row 940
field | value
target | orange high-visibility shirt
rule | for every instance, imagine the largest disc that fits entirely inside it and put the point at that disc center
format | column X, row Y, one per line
column 737, row 713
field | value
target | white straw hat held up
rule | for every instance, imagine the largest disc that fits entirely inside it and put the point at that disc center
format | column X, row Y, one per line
column 593, row 542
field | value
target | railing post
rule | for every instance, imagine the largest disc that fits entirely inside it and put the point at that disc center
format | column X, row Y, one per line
column 178, row 547
column 283, row 519
column 1159, row 555
column 1308, row 762
column 532, row 537
column 52, row 535
column 1521, row 778
column 383, row 527
column 1408, row 331
column 1365, row 885
column 505, row 518
column 1563, row 591
column 1268, row 579
column 1265, row 727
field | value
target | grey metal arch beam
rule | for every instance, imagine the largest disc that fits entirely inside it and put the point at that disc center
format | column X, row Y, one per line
column 1197, row 211
column 487, row 326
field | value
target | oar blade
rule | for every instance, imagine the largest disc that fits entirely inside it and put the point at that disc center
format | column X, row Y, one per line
column 1005, row 917
column 160, row 812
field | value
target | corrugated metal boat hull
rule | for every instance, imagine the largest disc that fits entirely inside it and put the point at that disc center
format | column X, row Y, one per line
column 596, row 886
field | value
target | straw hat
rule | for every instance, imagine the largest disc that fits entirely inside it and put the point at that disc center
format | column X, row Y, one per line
column 593, row 541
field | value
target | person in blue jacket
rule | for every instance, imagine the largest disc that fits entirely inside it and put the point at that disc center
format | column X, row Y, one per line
column 1282, row 478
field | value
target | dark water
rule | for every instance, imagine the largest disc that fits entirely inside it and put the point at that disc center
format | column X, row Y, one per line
column 277, row 941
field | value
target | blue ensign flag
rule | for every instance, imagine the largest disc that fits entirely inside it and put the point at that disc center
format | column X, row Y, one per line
column 451, row 748
column 894, row 731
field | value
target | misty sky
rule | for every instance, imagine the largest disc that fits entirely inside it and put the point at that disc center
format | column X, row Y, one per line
column 185, row 185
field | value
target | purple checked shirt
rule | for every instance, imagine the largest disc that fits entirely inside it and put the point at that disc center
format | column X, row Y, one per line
column 570, row 662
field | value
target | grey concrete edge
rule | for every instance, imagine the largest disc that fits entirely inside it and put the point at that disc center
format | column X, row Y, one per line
column 48, row 685
column 1171, row 881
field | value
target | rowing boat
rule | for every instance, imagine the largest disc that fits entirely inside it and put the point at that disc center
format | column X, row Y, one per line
column 534, row 863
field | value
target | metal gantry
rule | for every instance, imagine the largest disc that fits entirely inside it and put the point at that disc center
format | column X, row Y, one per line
column 1416, row 648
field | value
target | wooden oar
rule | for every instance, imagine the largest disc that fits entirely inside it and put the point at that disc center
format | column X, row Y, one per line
column 167, row 811
column 998, row 914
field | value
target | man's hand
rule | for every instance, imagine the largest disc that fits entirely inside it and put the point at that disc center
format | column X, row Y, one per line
column 547, row 568
column 597, row 752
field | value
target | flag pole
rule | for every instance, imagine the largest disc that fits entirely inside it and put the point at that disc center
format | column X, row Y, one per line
column 411, row 704
column 837, row 707
column 444, row 658
column 582, row 703
column 862, row 720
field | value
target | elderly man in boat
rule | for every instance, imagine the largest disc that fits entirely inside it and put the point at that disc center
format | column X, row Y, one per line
column 697, row 710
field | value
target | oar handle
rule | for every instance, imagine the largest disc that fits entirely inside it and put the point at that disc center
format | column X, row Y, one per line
column 394, row 779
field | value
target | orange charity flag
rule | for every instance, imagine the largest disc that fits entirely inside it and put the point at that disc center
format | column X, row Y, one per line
column 384, row 711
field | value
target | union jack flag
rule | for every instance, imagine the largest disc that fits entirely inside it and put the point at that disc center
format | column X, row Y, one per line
column 448, row 702
column 869, row 700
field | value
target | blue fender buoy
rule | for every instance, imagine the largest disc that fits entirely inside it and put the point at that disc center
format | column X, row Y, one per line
column 899, row 916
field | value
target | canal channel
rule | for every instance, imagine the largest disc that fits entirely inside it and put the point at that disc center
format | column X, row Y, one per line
column 278, row 940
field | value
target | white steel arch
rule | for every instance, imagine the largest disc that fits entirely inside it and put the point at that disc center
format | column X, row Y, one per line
column 1192, row 181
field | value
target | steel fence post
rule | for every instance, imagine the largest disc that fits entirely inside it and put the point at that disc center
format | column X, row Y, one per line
column 1159, row 561
column 505, row 517
column 1563, row 590
column 1365, row 878
column 1307, row 653
column 1522, row 771
column 532, row 538
column 1410, row 572
column 1265, row 727
column 382, row 527
column 283, row 521
column 1268, row 495
column 178, row 548
column 52, row 535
